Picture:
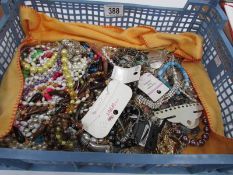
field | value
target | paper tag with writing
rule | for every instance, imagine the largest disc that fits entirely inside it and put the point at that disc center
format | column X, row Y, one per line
column 126, row 75
column 113, row 10
column 152, row 86
column 101, row 117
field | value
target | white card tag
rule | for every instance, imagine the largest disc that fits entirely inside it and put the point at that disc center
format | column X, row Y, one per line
column 187, row 114
column 152, row 86
column 126, row 75
column 113, row 10
column 101, row 117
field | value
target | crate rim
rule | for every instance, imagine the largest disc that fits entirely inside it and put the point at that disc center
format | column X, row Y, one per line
column 142, row 159
column 95, row 157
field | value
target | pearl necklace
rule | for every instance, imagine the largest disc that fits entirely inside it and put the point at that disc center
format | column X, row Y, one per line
column 40, row 69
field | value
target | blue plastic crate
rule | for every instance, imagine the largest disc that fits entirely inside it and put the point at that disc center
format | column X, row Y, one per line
column 200, row 16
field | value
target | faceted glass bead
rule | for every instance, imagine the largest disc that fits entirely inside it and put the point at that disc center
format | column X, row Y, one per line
column 34, row 55
column 33, row 69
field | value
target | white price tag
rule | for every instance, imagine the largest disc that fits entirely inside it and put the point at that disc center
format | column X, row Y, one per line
column 101, row 117
column 152, row 86
column 113, row 10
column 180, row 112
column 126, row 75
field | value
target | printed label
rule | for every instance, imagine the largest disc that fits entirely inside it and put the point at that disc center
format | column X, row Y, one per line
column 101, row 117
column 113, row 10
column 151, row 86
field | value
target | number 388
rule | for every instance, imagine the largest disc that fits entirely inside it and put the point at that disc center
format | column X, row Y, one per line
column 114, row 10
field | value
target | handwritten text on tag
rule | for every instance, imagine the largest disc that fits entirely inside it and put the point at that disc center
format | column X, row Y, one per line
column 101, row 117
column 151, row 86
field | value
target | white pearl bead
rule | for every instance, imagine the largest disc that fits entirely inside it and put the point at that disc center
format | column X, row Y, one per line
column 41, row 117
column 21, row 128
column 45, row 103
column 23, row 123
column 24, row 103
column 36, row 125
column 78, row 102
column 35, row 120
column 46, row 117
column 85, row 110
column 31, row 127
column 34, row 130
column 84, row 98
column 38, row 104
column 26, row 130
column 28, row 134
column 59, row 79
column 31, row 104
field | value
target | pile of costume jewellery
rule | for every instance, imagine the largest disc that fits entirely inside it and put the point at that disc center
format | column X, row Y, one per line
column 64, row 80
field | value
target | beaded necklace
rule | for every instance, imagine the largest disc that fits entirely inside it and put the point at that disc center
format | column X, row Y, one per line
column 64, row 79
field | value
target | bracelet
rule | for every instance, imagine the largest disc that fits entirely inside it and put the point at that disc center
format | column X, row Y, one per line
column 168, row 65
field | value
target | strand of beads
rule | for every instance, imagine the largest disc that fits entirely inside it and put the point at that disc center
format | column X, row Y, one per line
column 52, row 95
column 69, row 81
column 30, row 127
column 30, row 54
column 192, row 142
column 40, row 69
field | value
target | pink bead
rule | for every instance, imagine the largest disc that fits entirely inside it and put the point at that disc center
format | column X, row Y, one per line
column 49, row 90
column 96, row 58
column 45, row 48
column 56, row 75
column 99, row 54
column 47, row 55
column 47, row 96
